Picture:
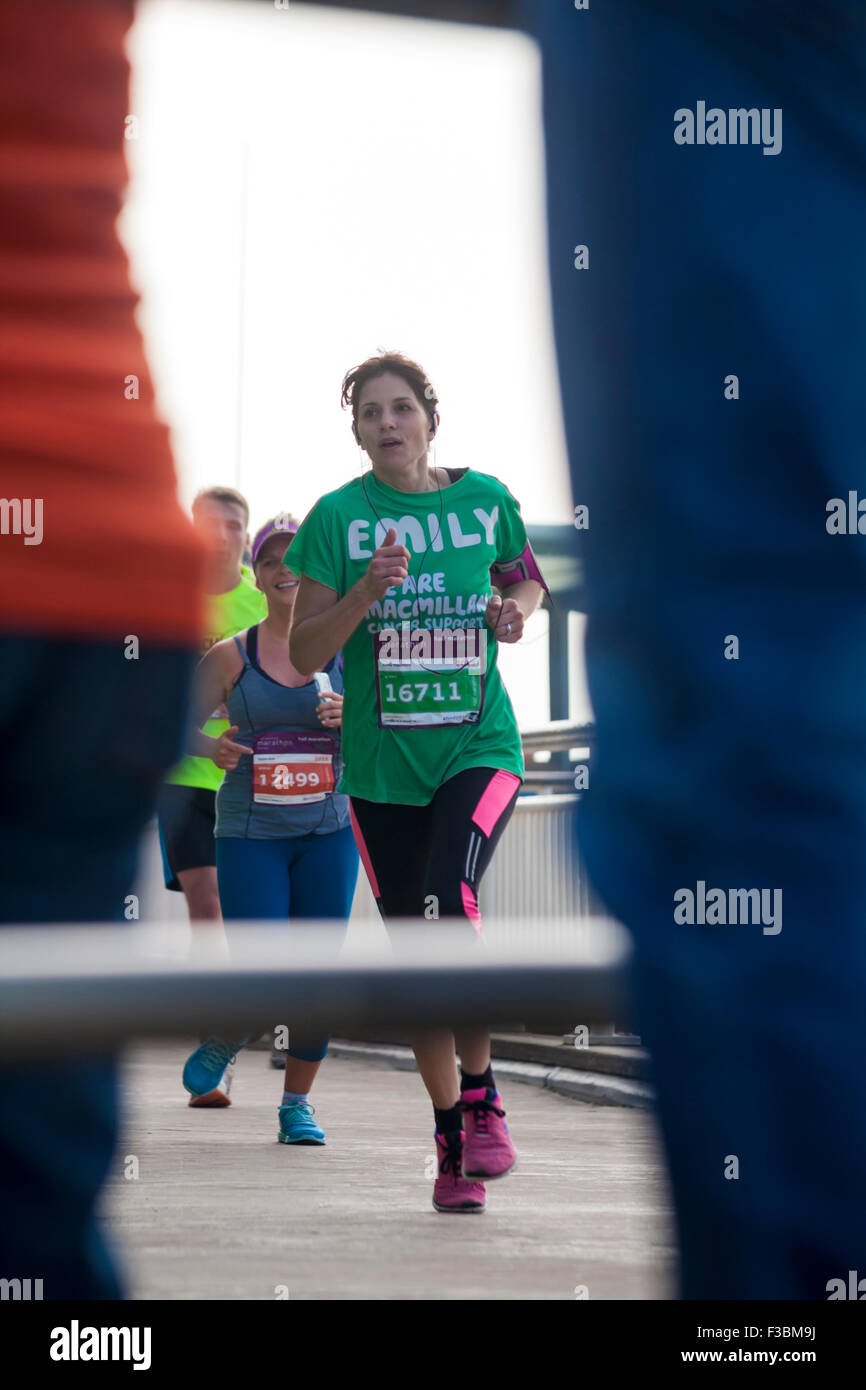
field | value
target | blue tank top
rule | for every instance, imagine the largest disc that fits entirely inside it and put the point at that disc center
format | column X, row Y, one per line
column 285, row 787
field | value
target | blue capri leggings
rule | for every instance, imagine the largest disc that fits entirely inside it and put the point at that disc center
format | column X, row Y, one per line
column 278, row 880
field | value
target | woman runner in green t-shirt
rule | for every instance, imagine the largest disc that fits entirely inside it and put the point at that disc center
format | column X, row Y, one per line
column 396, row 570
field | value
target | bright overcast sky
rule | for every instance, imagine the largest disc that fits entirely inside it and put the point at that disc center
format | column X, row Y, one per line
column 383, row 179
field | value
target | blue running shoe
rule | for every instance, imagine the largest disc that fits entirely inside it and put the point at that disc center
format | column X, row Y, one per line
column 297, row 1125
column 208, row 1074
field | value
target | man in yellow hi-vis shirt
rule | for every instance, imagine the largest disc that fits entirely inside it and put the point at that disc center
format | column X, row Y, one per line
column 187, row 801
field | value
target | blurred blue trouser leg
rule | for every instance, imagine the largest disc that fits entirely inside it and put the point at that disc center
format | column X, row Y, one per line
column 707, row 519
column 304, row 878
column 87, row 738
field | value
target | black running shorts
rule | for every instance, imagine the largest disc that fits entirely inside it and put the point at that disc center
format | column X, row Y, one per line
column 186, row 825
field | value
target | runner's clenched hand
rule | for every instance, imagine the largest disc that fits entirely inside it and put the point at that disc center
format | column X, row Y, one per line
column 505, row 618
column 388, row 568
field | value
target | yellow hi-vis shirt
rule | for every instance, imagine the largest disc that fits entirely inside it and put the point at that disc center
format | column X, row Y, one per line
column 227, row 614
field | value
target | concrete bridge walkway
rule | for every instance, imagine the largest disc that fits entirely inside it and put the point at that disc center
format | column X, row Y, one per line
column 215, row 1208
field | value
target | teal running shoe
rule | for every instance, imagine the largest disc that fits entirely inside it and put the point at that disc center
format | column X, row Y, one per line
column 297, row 1125
column 208, row 1074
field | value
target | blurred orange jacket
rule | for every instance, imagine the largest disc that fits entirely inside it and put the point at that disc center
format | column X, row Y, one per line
column 93, row 541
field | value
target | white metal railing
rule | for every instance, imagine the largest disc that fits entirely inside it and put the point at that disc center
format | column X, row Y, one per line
column 553, row 753
column 536, row 870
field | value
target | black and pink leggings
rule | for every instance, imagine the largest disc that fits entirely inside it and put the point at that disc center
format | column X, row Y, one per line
column 414, row 853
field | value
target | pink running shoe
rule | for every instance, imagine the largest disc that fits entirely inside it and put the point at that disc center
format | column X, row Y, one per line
column 487, row 1151
column 451, row 1191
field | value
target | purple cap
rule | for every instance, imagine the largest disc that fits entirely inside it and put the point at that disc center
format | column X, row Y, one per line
column 279, row 525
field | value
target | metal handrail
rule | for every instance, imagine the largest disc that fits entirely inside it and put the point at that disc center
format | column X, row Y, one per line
column 555, row 781
column 559, row 734
column 557, row 738
column 81, row 987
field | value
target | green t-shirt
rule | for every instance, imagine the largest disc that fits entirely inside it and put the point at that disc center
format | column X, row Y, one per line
column 448, row 588
column 227, row 614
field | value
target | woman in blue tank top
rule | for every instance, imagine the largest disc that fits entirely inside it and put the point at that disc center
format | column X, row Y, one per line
column 284, row 843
